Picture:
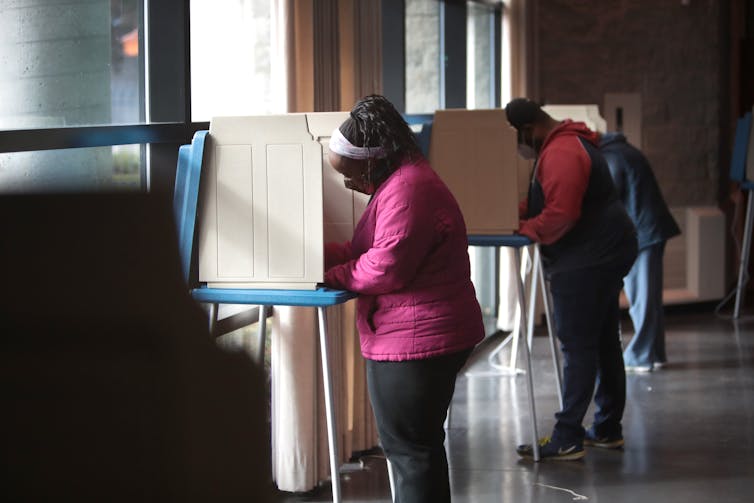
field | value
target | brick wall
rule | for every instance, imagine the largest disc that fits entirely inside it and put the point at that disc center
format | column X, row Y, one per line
column 664, row 50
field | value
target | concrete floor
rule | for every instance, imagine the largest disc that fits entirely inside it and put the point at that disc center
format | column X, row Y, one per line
column 689, row 430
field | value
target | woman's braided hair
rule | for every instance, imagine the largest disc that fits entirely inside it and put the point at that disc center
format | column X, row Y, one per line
column 374, row 122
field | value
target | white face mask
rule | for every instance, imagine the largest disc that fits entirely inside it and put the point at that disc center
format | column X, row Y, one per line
column 527, row 151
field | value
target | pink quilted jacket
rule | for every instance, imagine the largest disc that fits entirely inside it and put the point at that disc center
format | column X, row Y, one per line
column 409, row 261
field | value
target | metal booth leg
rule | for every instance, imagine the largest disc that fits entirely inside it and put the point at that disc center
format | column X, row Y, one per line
column 521, row 327
column 261, row 336
column 330, row 412
column 212, row 319
column 527, row 356
column 745, row 249
column 550, row 325
column 534, row 257
column 391, row 477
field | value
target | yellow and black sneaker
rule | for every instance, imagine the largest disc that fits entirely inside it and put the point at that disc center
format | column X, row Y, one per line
column 592, row 439
column 551, row 450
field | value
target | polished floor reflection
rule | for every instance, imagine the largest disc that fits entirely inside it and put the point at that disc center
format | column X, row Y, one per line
column 689, row 429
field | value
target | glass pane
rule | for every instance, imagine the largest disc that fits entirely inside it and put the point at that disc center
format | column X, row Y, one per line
column 69, row 63
column 234, row 67
column 422, row 56
column 480, row 56
column 506, row 58
column 76, row 169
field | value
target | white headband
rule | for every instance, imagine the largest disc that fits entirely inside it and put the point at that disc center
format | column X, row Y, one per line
column 341, row 146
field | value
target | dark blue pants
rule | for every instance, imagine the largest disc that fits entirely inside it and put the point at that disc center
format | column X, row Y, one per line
column 410, row 400
column 587, row 318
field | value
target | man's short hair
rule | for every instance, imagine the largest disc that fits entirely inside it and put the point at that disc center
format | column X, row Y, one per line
column 523, row 111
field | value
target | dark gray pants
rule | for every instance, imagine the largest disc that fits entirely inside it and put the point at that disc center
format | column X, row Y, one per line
column 410, row 400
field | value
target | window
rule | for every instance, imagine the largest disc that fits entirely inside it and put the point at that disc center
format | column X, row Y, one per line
column 480, row 56
column 66, row 64
column 422, row 23
column 102, row 73
column 127, row 66
column 506, row 57
column 235, row 66
column 452, row 55
column 96, row 93
column 70, row 63
column 74, row 169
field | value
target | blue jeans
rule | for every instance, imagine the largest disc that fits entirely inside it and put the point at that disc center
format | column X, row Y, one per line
column 587, row 318
column 643, row 286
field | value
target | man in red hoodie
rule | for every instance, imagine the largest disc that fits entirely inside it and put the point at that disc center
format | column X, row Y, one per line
column 588, row 243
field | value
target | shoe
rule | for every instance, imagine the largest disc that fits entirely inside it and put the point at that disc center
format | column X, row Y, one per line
column 608, row 442
column 638, row 369
column 550, row 450
column 660, row 365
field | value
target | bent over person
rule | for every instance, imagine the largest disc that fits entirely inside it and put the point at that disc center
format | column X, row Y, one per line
column 641, row 196
column 418, row 317
column 588, row 244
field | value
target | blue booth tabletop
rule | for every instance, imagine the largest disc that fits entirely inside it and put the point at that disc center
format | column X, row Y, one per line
column 747, row 185
column 322, row 296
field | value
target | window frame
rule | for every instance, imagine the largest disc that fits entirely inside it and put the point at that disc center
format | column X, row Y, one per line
column 166, row 49
column 452, row 64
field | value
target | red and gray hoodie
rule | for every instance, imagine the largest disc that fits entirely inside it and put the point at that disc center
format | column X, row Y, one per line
column 573, row 210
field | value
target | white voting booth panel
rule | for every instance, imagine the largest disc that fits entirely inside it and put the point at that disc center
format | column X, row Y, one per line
column 475, row 153
column 705, row 252
column 270, row 201
column 588, row 114
column 623, row 113
column 342, row 207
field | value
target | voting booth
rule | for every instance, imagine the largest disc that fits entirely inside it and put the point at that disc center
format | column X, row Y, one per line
column 475, row 152
column 271, row 200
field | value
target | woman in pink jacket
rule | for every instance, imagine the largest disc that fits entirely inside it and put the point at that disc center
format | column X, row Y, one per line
column 418, row 317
